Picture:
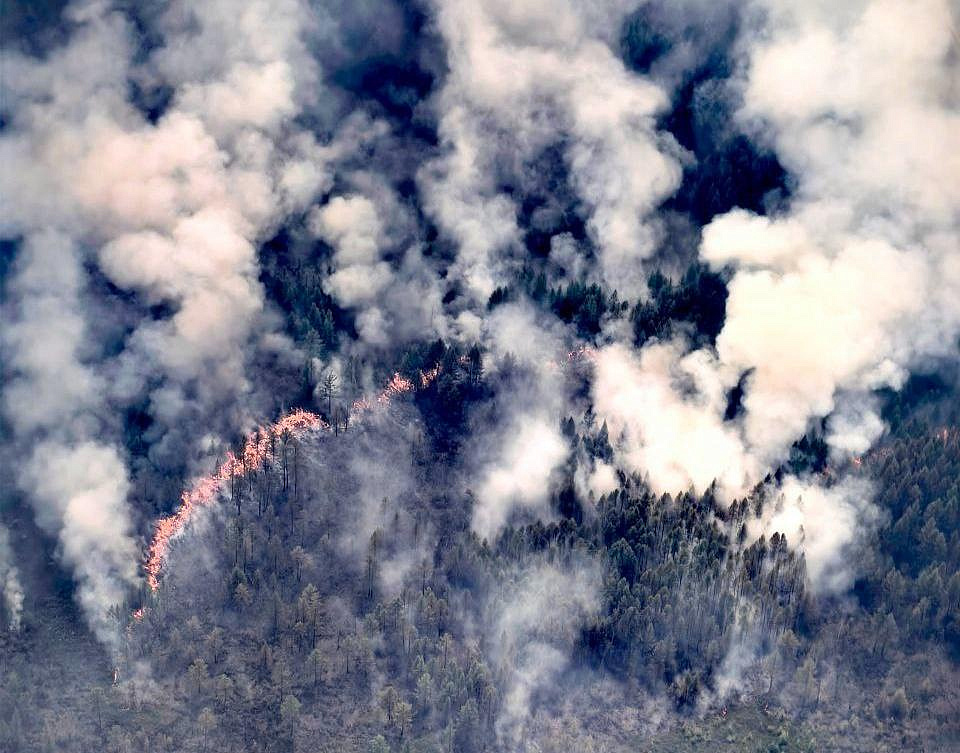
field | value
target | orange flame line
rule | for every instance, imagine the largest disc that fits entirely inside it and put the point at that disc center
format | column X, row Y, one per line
column 258, row 450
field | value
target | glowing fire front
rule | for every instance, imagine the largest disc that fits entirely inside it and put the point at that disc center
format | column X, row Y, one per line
column 259, row 449
column 398, row 385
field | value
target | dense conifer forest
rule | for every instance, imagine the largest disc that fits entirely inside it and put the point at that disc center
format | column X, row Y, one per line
column 461, row 376
column 303, row 615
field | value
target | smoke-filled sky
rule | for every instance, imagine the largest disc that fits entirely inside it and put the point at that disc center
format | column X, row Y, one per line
column 420, row 156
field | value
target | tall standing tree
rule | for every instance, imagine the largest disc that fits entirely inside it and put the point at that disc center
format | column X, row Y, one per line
column 198, row 673
column 207, row 722
column 328, row 389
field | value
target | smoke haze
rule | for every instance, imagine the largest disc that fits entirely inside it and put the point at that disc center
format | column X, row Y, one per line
column 619, row 253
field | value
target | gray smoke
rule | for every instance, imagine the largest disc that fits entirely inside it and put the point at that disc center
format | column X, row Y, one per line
column 170, row 212
column 524, row 78
column 76, row 483
column 513, row 461
column 378, row 269
column 533, row 624
column 11, row 590
column 842, row 294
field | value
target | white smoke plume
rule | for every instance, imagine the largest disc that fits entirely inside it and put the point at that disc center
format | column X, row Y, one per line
column 378, row 268
column 825, row 323
column 352, row 225
column 11, row 589
column 534, row 624
column 594, row 478
column 525, row 77
column 664, row 408
column 80, row 495
column 173, row 208
column 169, row 210
column 521, row 479
column 826, row 523
column 76, row 484
column 857, row 282
column 860, row 279
column 516, row 459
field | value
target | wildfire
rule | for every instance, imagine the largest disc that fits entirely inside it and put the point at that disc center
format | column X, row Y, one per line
column 258, row 450
column 398, row 385
column 583, row 353
column 427, row 377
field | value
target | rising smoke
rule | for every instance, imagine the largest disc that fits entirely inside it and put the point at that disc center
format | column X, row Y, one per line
column 858, row 281
column 170, row 211
column 533, row 625
column 525, row 79
column 838, row 296
column 164, row 210
column 76, row 483
column 11, row 590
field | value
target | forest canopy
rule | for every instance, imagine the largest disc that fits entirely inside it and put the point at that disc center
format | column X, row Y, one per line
column 465, row 376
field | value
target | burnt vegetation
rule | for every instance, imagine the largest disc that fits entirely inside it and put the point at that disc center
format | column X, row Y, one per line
column 308, row 614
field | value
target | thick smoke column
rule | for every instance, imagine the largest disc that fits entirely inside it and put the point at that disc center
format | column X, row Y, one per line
column 76, row 483
column 824, row 521
column 378, row 267
column 522, row 477
column 860, row 280
column 514, row 459
column 534, row 625
column 173, row 208
column 170, row 209
column 527, row 77
column 79, row 493
column 843, row 293
column 666, row 407
column 11, row 590
column 353, row 226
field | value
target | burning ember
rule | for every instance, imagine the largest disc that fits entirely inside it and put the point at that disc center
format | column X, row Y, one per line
column 259, row 449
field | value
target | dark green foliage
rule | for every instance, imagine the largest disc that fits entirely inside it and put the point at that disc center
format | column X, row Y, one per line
column 585, row 306
column 696, row 305
column 445, row 401
column 698, row 301
column 808, row 454
column 919, row 482
column 313, row 319
column 665, row 553
column 281, row 641
column 731, row 174
column 641, row 43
